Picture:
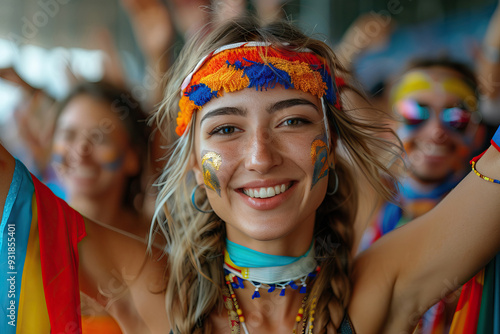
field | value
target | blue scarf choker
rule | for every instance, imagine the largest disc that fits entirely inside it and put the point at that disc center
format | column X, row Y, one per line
column 267, row 271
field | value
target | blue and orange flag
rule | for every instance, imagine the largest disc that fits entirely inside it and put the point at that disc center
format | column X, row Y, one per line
column 39, row 234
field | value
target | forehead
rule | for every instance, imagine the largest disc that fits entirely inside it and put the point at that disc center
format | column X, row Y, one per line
column 86, row 112
column 254, row 100
column 437, row 81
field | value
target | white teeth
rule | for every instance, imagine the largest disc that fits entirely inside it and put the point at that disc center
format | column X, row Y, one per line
column 265, row 192
column 277, row 190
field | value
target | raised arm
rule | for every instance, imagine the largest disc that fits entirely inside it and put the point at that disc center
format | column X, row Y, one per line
column 410, row 269
column 7, row 164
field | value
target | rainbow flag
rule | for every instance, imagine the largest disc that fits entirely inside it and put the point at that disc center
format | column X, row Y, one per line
column 478, row 309
column 39, row 233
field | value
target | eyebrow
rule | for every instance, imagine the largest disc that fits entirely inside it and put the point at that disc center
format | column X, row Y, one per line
column 243, row 112
column 290, row 103
column 224, row 111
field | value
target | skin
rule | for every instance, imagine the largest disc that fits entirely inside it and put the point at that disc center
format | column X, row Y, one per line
column 263, row 150
column 402, row 275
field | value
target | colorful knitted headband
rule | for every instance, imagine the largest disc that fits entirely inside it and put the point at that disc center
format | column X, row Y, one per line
column 252, row 64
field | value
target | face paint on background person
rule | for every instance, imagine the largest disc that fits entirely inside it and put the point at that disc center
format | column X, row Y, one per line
column 319, row 158
column 111, row 159
column 211, row 162
column 418, row 80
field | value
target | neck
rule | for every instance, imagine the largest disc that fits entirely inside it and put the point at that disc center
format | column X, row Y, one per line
column 271, row 313
column 246, row 257
column 99, row 209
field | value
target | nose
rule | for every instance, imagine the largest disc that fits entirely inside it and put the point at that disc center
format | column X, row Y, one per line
column 435, row 130
column 80, row 150
column 263, row 152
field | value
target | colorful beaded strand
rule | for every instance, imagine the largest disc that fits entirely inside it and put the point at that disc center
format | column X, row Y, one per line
column 300, row 316
column 241, row 318
column 311, row 315
column 484, row 177
column 239, row 312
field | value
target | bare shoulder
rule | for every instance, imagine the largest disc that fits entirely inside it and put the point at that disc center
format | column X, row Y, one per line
column 112, row 250
column 119, row 272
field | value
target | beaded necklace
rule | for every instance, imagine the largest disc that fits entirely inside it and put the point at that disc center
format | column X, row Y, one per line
column 270, row 272
column 237, row 319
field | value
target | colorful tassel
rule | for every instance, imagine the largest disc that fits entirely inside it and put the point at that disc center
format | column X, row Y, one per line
column 256, row 294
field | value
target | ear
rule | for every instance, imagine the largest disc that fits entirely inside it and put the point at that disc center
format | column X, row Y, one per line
column 198, row 173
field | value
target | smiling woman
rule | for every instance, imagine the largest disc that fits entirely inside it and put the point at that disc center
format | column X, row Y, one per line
column 268, row 153
column 259, row 124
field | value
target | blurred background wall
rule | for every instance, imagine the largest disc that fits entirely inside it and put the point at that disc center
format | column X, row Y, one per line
column 43, row 38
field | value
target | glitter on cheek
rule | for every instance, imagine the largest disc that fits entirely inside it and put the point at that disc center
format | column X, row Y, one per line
column 319, row 158
column 211, row 162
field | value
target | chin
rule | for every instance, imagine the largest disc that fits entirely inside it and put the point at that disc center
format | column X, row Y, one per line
column 260, row 231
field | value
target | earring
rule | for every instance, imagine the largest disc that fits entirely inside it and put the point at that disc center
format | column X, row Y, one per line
column 331, row 193
column 194, row 202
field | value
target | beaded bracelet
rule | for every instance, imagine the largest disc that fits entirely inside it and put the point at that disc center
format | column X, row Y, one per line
column 473, row 163
column 495, row 142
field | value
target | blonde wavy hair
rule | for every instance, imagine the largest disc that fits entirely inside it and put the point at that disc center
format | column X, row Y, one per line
column 196, row 240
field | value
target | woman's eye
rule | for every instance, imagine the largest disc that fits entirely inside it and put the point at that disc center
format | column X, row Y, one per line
column 295, row 122
column 223, row 130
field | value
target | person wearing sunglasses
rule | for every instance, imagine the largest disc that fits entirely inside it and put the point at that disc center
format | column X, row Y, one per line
column 436, row 104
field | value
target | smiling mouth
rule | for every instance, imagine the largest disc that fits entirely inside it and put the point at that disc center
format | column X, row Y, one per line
column 431, row 149
column 266, row 192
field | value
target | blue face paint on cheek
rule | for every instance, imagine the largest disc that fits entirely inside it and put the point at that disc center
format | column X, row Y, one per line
column 211, row 162
column 319, row 158
column 57, row 158
column 115, row 164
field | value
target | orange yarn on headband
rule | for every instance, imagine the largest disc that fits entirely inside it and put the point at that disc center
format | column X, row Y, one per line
column 253, row 64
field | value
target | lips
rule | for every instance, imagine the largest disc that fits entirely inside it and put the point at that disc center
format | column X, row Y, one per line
column 266, row 192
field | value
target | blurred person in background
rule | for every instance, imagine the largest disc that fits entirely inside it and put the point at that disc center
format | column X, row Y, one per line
column 437, row 103
column 99, row 151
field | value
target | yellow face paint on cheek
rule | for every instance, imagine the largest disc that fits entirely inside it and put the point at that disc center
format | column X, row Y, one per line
column 319, row 158
column 211, row 162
